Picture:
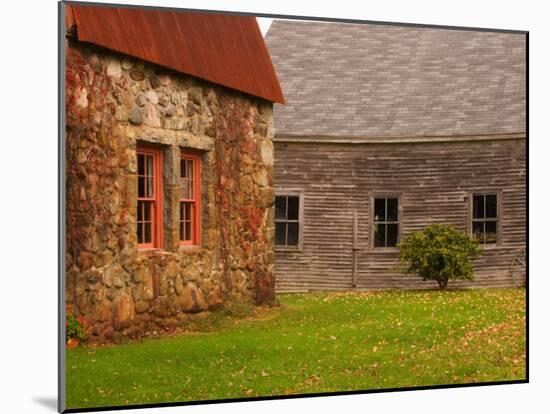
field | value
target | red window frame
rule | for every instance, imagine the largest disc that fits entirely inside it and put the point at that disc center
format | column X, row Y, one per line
column 149, row 203
column 189, row 206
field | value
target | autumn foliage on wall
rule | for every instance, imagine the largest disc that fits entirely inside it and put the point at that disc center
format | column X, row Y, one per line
column 114, row 103
column 246, row 207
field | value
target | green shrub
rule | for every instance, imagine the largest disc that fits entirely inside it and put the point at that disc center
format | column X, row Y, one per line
column 440, row 253
column 75, row 327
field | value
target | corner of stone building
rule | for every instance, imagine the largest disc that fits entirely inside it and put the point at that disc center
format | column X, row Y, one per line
column 115, row 102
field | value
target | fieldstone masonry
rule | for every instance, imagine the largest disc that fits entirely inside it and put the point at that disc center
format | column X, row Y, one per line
column 114, row 103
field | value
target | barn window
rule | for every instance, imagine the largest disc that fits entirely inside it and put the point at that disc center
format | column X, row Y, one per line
column 485, row 218
column 386, row 221
column 287, row 220
column 149, row 200
column 189, row 203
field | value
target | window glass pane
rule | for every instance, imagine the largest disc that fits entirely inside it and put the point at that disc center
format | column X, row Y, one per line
column 379, row 235
column 140, row 211
column 392, row 235
column 183, row 188
column 145, row 185
column 149, row 166
column 187, row 230
column 147, row 233
column 183, row 169
column 490, row 232
column 147, row 210
column 141, row 164
column 391, row 210
column 292, row 236
column 140, row 232
column 491, row 206
column 190, row 169
column 280, row 208
column 293, row 208
column 187, row 211
column 150, row 188
column 379, row 209
column 477, row 230
column 280, row 234
column 141, row 187
column 477, row 210
column 187, row 179
column 189, row 166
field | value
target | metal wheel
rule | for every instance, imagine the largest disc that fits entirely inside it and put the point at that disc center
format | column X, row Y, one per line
column 518, row 268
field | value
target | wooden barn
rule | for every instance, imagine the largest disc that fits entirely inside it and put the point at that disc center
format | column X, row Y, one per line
column 385, row 130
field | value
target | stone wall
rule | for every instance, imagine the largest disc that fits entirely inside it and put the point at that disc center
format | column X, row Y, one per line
column 115, row 102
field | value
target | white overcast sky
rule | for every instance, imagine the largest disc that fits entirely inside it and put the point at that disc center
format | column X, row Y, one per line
column 264, row 24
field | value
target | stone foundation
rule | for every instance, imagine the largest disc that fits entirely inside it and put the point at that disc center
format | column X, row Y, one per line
column 115, row 103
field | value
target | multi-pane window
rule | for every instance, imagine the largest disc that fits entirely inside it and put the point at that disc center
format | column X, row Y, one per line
column 386, row 221
column 149, row 214
column 287, row 220
column 189, row 205
column 485, row 218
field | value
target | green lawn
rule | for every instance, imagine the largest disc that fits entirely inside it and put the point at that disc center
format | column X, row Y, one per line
column 315, row 342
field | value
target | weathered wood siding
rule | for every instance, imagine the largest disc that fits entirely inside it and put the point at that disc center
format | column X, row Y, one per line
column 434, row 182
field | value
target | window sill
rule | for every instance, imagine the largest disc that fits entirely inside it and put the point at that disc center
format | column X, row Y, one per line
column 189, row 248
column 282, row 249
column 151, row 251
column 384, row 250
column 492, row 246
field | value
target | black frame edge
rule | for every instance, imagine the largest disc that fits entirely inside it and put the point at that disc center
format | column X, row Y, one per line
column 61, row 194
column 291, row 397
column 298, row 17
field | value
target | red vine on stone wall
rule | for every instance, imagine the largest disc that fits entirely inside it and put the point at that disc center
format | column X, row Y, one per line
column 234, row 125
column 88, row 149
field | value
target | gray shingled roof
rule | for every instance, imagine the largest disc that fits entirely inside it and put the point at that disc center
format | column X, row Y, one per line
column 370, row 80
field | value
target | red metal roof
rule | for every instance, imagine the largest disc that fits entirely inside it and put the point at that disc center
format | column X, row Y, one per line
column 225, row 49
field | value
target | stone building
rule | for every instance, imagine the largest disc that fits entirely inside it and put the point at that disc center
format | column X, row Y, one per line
column 169, row 166
column 387, row 129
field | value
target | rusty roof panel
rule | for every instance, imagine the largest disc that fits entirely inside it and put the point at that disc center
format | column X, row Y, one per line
column 69, row 18
column 225, row 49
